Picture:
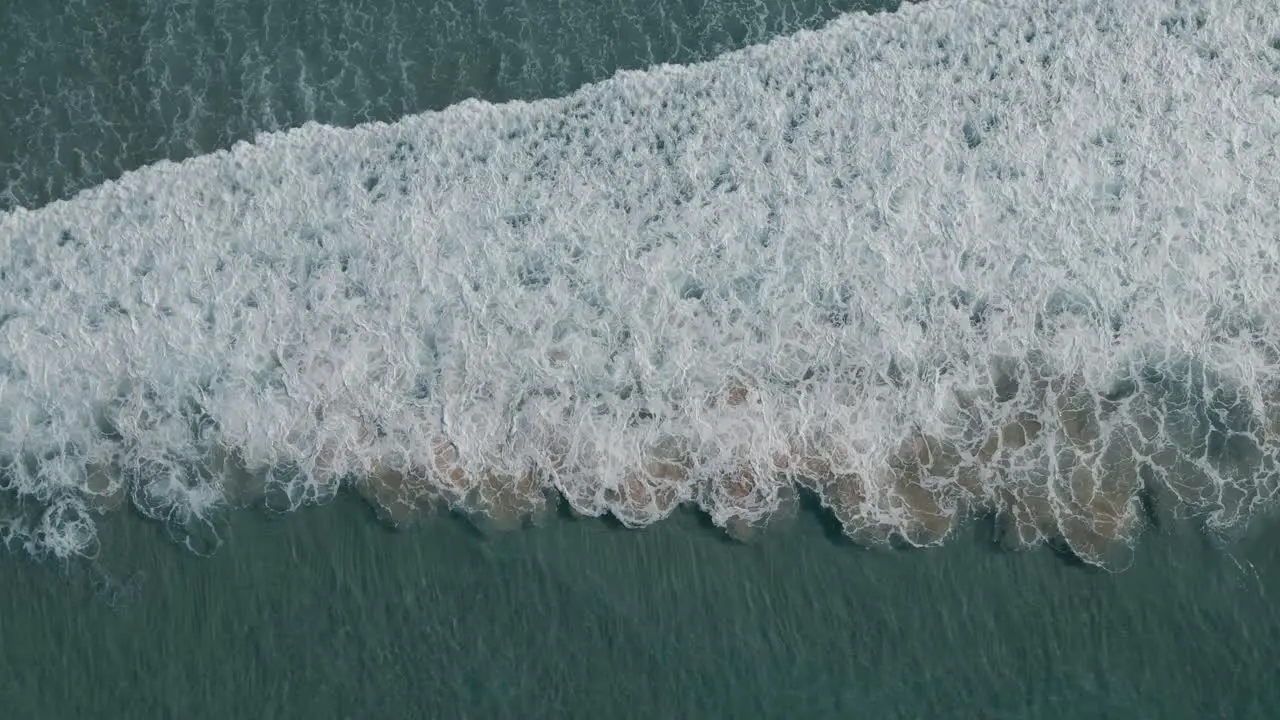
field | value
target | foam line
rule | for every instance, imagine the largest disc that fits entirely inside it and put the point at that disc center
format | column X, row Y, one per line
column 1017, row 257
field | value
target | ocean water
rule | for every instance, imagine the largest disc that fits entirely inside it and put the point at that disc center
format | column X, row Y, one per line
column 103, row 88
column 717, row 360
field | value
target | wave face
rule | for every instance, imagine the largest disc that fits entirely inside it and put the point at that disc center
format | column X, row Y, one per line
column 1007, row 257
column 195, row 76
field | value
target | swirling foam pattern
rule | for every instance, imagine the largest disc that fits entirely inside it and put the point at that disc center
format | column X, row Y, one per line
column 1010, row 257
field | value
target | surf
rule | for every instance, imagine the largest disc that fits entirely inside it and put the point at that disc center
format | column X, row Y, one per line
column 968, row 258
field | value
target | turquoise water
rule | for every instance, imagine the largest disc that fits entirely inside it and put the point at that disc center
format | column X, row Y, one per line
column 327, row 612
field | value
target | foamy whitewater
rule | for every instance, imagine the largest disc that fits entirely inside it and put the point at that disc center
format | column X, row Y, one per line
column 1015, row 257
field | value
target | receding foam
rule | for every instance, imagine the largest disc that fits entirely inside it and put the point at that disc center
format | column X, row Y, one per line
column 1010, row 257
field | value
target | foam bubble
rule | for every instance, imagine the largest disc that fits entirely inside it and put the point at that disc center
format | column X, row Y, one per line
column 971, row 257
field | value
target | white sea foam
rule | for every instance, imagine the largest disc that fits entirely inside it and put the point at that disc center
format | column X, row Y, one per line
column 1017, row 257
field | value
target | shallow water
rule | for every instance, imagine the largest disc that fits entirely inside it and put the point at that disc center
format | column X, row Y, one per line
column 328, row 614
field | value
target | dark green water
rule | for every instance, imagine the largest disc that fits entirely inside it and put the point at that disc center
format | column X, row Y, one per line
column 93, row 88
column 327, row 613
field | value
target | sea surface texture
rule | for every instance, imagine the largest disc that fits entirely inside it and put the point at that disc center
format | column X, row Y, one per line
column 93, row 88
column 975, row 276
column 1010, row 258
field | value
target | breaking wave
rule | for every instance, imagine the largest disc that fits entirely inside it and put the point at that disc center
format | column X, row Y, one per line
column 974, row 257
